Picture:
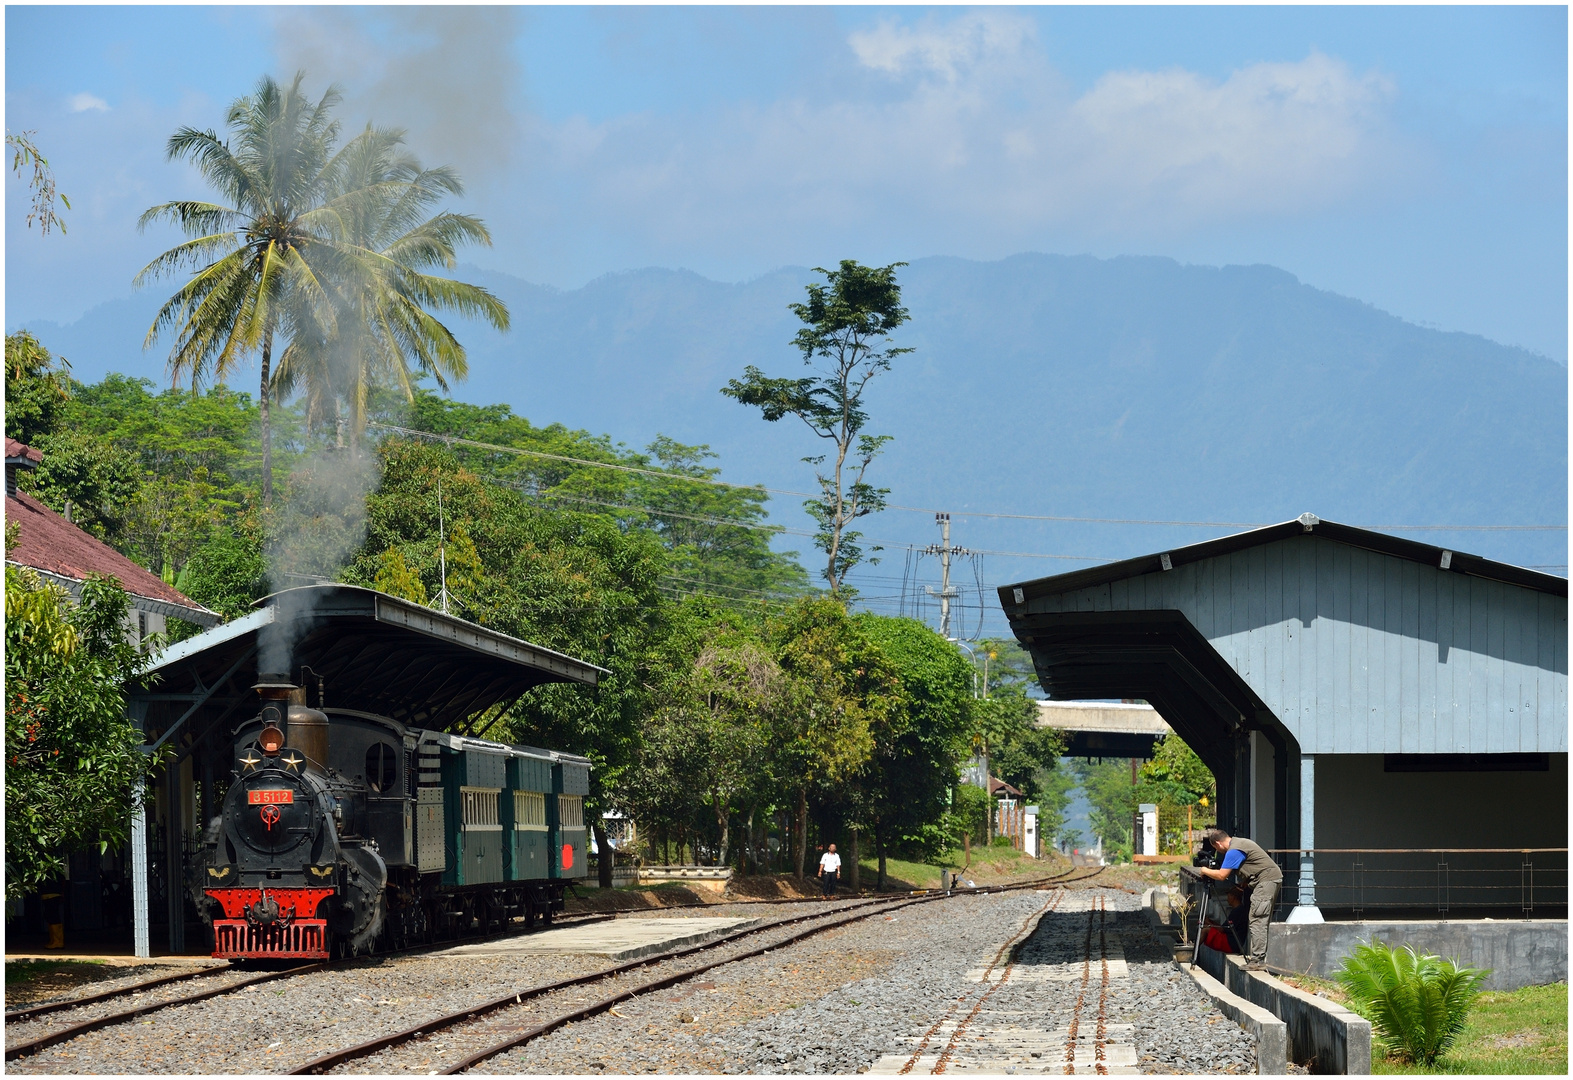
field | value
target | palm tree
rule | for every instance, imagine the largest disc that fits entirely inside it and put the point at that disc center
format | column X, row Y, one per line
column 259, row 249
column 303, row 252
column 382, row 300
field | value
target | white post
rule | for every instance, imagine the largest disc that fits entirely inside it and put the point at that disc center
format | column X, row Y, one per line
column 139, row 883
column 1305, row 909
column 1148, row 841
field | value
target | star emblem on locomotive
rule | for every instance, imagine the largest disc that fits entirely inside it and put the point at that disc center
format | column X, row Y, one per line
column 250, row 761
column 292, row 762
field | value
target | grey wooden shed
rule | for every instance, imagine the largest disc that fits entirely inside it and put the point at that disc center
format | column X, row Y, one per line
column 1349, row 689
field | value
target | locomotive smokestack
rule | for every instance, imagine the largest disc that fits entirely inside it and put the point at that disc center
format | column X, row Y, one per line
column 273, row 686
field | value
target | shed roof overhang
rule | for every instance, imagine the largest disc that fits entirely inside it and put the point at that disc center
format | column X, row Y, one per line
column 374, row 652
column 1157, row 656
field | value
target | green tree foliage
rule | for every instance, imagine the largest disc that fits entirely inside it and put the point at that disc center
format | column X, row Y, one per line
column 1175, row 780
column 716, row 533
column 904, row 789
column 227, row 574
column 311, row 233
column 844, row 689
column 710, row 740
column 1417, row 1004
column 383, row 242
column 24, row 153
column 37, row 387
column 73, row 760
column 846, row 321
column 572, row 582
column 1111, row 795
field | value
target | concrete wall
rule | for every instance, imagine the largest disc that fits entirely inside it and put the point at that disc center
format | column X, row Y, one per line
column 1358, row 805
column 1519, row 952
column 1323, row 1035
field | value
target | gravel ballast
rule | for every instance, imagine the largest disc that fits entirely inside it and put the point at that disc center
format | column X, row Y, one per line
column 839, row 1002
column 842, row 1001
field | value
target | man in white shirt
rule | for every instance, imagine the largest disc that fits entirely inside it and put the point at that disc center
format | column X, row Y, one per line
column 829, row 870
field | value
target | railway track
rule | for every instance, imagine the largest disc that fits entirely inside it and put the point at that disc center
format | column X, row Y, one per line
column 139, row 1010
column 1009, row 948
column 868, row 908
column 1096, row 912
column 98, row 1023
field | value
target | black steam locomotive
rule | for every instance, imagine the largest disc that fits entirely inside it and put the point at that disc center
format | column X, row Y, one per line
column 344, row 832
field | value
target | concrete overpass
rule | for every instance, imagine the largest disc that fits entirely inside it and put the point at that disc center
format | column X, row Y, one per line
column 1104, row 728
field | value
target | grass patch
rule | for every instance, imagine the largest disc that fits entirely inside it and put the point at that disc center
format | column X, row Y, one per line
column 21, row 972
column 1509, row 1032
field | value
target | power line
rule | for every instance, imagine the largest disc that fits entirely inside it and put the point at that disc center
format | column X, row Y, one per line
column 664, row 475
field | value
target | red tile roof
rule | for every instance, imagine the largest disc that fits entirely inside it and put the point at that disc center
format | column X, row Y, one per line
column 14, row 449
column 47, row 541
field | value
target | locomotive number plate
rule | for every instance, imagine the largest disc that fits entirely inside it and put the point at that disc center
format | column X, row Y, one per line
column 269, row 796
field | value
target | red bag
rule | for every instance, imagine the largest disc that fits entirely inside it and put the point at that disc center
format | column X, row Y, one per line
column 1214, row 938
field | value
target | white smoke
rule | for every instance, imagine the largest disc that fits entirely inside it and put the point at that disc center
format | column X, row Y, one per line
column 315, row 528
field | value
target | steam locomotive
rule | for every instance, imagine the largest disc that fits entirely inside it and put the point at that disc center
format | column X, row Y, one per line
column 344, row 832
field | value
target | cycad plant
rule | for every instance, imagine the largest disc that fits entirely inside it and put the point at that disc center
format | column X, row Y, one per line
column 1416, row 1003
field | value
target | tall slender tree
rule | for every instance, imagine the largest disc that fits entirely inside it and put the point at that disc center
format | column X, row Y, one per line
column 384, row 240
column 255, row 255
column 314, row 242
column 846, row 321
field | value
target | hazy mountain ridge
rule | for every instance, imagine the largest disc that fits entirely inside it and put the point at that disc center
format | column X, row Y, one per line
column 1042, row 384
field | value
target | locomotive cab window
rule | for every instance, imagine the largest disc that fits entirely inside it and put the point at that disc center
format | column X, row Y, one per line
column 382, row 770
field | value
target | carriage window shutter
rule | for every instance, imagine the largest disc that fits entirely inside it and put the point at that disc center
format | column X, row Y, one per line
column 570, row 811
column 480, row 808
column 529, row 808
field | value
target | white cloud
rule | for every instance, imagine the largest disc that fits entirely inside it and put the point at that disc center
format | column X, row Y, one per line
column 85, row 102
column 984, row 149
column 948, row 50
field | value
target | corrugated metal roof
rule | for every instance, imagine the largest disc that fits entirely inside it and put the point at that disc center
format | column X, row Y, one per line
column 374, row 652
column 1456, row 562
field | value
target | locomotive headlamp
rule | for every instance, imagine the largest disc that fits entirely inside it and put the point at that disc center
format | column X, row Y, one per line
column 272, row 738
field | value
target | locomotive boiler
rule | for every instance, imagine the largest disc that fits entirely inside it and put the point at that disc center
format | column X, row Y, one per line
column 344, row 832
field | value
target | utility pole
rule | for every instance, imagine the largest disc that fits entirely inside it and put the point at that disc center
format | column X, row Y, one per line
column 946, row 594
column 442, row 552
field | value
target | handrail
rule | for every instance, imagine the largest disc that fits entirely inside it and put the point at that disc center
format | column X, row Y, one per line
column 1414, row 850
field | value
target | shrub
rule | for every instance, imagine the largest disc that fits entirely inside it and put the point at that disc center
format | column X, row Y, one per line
column 1416, row 1004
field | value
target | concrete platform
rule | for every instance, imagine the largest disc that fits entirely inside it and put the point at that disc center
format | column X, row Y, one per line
column 620, row 939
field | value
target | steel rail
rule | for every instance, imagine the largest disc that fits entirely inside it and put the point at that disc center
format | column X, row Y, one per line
column 32, row 1011
column 43, row 1042
column 595, row 1008
column 85, row 1027
column 333, row 1059
column 1032, row 920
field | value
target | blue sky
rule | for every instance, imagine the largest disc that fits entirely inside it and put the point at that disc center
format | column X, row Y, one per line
column 1414, row 158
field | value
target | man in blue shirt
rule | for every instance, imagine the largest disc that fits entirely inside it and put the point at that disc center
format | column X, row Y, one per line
column 1258, row 875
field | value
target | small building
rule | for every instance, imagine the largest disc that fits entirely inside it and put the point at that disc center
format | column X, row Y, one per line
column 60, row 552
column 1389, row 717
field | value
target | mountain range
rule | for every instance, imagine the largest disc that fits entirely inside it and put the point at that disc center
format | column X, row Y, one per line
column 1058, row 386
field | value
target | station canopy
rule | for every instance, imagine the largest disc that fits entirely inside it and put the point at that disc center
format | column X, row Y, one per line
column 373, row 652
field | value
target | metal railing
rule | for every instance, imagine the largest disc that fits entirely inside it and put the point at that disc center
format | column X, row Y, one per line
column 1446, row 880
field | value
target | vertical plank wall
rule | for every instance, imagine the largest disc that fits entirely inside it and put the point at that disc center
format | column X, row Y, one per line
column 1359, row 652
